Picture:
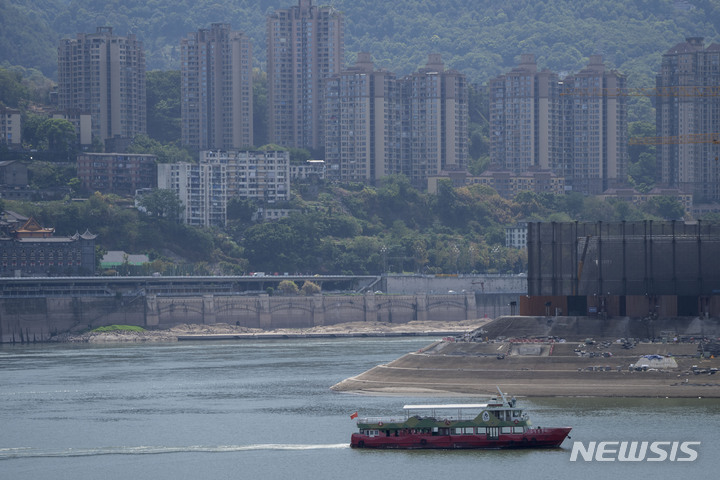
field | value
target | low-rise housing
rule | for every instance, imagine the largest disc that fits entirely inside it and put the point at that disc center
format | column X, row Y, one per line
column 266, row 214
column 118, row 173
column 311, row 169
column 630, row 195
column 504, row 181
column 13, row 173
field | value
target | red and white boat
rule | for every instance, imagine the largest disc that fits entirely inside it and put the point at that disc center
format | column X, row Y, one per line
column 496, row 424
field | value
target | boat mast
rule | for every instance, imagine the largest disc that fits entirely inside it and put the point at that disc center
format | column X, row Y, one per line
column 502, row 395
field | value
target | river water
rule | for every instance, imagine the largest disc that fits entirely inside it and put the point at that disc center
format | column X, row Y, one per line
column 263, row 410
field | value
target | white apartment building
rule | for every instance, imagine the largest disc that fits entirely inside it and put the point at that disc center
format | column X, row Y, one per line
column 260, row 175
column 10, row 126
column 516, row 236
column 205, row 188
column 202, row 189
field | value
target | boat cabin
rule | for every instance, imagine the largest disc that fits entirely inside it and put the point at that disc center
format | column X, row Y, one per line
column 490, row 419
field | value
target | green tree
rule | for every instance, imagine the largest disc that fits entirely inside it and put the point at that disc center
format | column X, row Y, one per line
column 12, row 89
column 478, row 109
column 288, row 287
column 643, row 173
column 162, row 203
column 241, row 209
column 260, row 106
column 668, row 208
column 163, row 105
column 310, row 288
column 168, row 153
column 711, row 217
column 31, row 135
column 75, row 185
column 42, row 174
column 59, row 137
column 298, row 156
column 274, row 246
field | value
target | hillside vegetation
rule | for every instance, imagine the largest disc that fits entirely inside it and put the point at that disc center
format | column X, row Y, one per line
column 481, row 38
column 351, row 229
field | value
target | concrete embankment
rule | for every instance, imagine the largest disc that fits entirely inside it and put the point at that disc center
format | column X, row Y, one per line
column 524, row 361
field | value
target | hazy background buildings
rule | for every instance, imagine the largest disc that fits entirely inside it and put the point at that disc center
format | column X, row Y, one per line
column 104, row 74
column 216, row 89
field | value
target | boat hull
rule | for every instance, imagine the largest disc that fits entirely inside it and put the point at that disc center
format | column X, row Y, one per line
column 532, row 438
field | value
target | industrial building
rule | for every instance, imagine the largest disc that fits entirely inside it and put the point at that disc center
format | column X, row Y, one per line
column 637, row 269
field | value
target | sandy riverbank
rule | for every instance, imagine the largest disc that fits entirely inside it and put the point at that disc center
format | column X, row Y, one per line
column 536, row 364
column 225, row 331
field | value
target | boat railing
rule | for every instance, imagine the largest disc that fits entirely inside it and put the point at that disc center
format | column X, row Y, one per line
column 436, row 418
column 380, row 420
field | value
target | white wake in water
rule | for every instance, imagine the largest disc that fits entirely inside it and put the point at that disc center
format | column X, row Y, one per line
column 27, row 452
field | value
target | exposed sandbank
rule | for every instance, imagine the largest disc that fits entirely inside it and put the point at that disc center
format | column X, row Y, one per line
column 226, row 331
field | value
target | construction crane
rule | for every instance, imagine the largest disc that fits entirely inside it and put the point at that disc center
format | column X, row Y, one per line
column 676, row 139
column 671, row 91
column 581, row 263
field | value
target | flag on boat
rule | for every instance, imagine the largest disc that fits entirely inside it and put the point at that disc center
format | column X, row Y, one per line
column 354, row 415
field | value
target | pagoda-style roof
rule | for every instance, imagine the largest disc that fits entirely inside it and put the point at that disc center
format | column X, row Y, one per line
column 85, row 236
column 32, row 229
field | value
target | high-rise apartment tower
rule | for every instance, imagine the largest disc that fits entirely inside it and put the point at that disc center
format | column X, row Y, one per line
column 305, row 46
column 434, row 126
column 687, row 108
column 524, row 116
column 595, row 115
column 362, row 123
column 216, row 89
column 576, row 127
column 104, row 75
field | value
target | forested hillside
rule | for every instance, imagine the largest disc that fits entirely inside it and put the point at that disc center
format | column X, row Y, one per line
column 481, row 38
column 351, row 228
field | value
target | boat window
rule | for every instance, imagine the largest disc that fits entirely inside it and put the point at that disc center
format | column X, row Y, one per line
column 518, row 429
column 506, row 430
column 481, row 430
column 469, row 430
column 456, row 431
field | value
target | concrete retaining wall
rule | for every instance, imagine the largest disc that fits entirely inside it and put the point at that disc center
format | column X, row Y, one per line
column 37, row 319
column 481, row 284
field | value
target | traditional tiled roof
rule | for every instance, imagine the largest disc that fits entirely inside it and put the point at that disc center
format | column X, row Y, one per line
column 31, row 228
